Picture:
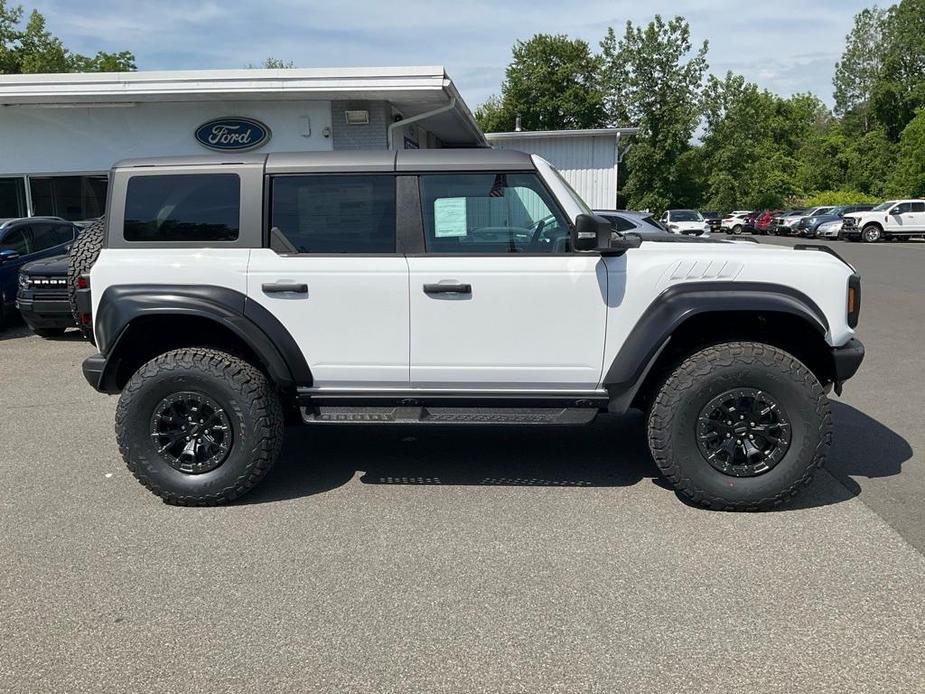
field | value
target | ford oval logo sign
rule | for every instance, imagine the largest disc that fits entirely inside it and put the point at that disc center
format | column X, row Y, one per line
column 232, row 134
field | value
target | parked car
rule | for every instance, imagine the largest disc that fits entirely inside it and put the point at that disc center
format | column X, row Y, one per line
column 42, row 298
column 687, row 222
column 764, row 221
column 713, row 218
column 446, row 303
column 736, row 222
column 23, row 240
column 830, row 230
column 810, row 224
column 799, row 229
column 785, row 222
column 642, row 223
column 888, row 220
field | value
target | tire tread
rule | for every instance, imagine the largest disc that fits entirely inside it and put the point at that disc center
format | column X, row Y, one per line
column 699, row 366
column 256, row 392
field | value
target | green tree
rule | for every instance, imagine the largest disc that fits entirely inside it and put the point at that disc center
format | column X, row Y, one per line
column 908, row 179
column 654, row 81
column 552, row 83
column 900, row 87
column 857, row 72
column 33, row 48
column 272, row 63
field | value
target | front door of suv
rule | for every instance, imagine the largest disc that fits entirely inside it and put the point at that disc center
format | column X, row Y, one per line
column 498, row 303
column 333, row 277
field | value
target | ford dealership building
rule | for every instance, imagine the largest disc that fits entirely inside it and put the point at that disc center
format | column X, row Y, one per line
column 61, row 133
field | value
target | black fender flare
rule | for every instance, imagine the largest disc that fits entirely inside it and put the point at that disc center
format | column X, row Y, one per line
column 678, row 303
column 121, row 306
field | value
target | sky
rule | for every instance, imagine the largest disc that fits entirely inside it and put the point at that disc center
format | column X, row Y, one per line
column 786, row 46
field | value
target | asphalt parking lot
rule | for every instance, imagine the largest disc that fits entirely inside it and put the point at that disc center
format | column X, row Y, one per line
column 468, row 559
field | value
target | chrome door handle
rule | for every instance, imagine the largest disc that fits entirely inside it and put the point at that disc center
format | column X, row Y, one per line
column 285, row 287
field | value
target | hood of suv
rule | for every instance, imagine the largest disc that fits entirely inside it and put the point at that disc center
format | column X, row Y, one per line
column 46, row 267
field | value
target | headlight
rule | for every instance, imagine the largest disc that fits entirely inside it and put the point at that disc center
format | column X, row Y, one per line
column 673, row 227
column 23, row 281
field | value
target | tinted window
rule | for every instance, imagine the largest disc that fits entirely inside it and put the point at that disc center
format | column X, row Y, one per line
column 46, row 235
column 12, row 197
column 619, row 223
column 490, row 213
column 72, row 197
column 902, row 208
column 333, row 214
column 182, row 207
column 17, row 239
column 918, row 207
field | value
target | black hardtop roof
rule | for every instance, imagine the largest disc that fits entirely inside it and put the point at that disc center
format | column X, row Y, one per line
column 410, row 160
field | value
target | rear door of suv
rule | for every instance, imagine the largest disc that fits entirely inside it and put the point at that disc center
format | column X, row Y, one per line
column 332, row 274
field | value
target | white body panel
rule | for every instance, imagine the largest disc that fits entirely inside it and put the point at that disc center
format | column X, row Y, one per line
column 639, row 276
column 218, row 267
column 531, row 322
column 352, row 326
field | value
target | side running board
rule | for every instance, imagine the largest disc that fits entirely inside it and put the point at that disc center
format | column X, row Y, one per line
column 447, row 415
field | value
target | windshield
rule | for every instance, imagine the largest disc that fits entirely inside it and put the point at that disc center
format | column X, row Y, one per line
column 686, row 216
column 838, row 211
column 884, row 206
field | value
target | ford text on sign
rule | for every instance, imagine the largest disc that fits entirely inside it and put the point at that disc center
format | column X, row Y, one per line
column 232, row 134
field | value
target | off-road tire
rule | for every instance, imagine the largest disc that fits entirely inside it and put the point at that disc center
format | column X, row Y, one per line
column 49, row 332
column 871, row 233
column 84, row 252
column 672, row 421
column 245, row 394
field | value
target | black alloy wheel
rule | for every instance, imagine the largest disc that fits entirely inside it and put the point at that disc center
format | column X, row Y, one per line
column 192, row 432
column 743, row 432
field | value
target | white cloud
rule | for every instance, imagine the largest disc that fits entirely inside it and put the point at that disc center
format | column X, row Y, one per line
column 787, row 46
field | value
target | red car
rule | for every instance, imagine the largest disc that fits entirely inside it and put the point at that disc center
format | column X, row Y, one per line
column 764, row 219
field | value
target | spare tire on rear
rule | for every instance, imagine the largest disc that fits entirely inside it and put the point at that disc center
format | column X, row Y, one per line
column 84, row 252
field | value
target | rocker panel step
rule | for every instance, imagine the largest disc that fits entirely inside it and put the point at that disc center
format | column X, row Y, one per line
column 448, row 415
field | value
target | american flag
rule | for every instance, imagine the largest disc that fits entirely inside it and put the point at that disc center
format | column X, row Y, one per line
column 497, row 188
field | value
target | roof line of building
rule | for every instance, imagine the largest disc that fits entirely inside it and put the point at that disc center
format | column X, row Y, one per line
column 590, row 132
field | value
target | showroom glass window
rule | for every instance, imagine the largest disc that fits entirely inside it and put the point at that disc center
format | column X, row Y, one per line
column 12, row 197
column 490, row 213
column 74, row 198
column 333, row 214
column 183, row 207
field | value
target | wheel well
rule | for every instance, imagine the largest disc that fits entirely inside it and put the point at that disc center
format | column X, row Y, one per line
column 147, row 337
column 873, row 224
column 786, row 331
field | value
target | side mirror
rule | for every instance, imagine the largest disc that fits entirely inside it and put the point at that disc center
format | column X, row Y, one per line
column 8, row 254
column 593, row 234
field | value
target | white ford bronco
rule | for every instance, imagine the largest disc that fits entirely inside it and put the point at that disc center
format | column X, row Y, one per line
column 229, row 294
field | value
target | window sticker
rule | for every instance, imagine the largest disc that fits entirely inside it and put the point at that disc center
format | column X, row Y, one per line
column 449, row 217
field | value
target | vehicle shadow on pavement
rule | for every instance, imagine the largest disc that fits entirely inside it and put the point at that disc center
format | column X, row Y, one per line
column 611, row 452
column 13, row 329
column 863, row 447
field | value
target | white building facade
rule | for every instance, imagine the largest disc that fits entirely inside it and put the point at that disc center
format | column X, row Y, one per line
column 588, row 159
column 60, row 134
